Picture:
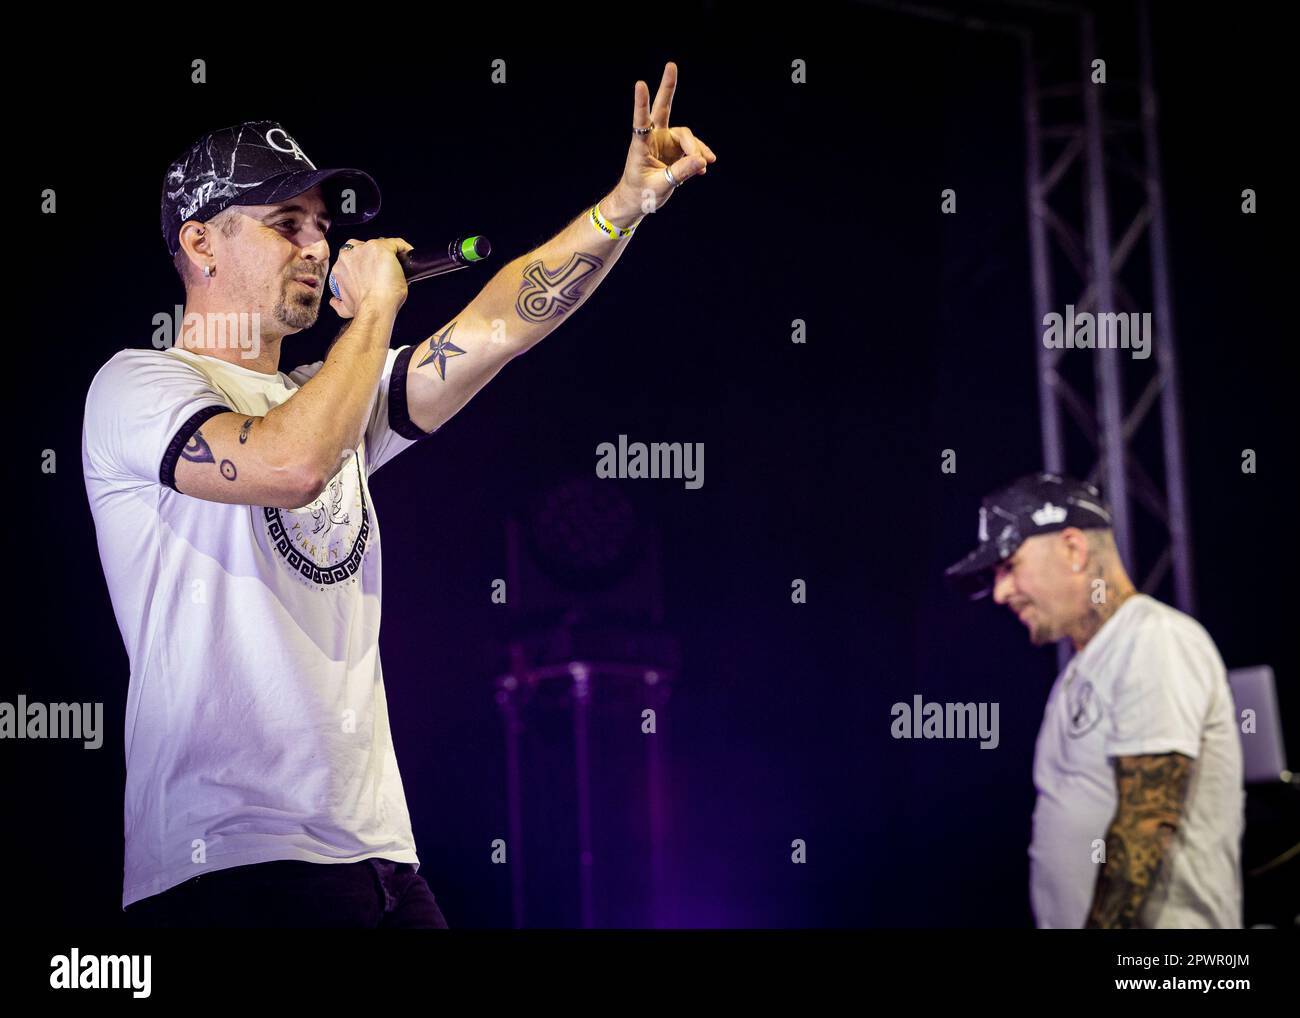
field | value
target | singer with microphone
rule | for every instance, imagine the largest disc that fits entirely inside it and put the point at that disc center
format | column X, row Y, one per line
column 237, row 533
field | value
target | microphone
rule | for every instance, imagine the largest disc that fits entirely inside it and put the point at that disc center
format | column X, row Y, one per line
column 420, row 264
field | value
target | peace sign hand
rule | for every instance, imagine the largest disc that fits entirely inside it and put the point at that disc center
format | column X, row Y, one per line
column 674, row 148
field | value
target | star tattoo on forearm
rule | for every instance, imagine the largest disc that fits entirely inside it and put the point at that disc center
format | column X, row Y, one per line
column 440, row 348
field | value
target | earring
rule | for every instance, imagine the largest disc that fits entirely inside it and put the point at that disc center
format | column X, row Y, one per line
column 1075, row 567
column 207, row 270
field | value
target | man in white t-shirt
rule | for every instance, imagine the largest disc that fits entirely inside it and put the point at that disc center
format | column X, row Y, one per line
column 1140, row 806
column 238, row 535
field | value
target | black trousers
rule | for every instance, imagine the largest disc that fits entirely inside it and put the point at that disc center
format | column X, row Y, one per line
column 371, row 894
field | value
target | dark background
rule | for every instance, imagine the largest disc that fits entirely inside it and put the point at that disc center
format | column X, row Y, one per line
column 822, row 460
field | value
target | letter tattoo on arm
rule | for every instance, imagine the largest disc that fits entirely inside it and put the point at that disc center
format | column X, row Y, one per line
column 544, row 294
column 197, row 450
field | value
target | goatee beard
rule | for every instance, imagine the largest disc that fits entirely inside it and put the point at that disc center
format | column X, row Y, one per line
column 295, row 313
column 1042, row 633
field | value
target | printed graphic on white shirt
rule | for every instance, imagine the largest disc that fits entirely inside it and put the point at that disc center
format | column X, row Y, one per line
column 324, row 542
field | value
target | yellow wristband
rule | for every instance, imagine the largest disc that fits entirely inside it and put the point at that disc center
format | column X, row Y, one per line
column 607, row 228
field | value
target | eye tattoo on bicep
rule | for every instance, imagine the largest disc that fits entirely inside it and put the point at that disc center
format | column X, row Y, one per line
column 243, row 431
column 546, row 294
column 197, row 450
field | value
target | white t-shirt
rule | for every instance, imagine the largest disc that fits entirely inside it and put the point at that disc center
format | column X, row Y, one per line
column 256, row 721
column 1150, row 681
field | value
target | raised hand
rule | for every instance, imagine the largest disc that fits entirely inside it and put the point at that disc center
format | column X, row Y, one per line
column 659, row 146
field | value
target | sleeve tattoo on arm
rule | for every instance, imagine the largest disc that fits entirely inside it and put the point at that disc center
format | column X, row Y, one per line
column 545, row 294
column 1150, row 805
column 197, row 450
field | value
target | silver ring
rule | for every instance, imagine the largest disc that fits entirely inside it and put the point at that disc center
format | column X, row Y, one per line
column 346, row 247
column 671, row 179
column 642, row 130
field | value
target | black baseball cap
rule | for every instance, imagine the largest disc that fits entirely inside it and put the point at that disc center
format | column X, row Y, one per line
column 1033, row 504
column 254, row 163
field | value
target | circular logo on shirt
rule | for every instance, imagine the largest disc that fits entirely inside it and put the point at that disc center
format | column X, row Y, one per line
column 1083, row 708
column 325, row 540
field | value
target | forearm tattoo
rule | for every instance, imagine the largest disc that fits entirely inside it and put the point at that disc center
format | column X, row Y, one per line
column 1151, row 793
column 440, row 348
column 545, row 294
column 197, row 450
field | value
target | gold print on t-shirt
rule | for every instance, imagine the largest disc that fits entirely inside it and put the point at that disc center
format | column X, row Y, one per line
column 323, row 517
column 324, row 541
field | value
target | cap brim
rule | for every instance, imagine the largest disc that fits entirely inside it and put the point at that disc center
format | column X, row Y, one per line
column 366, row 203
column 973, row 575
